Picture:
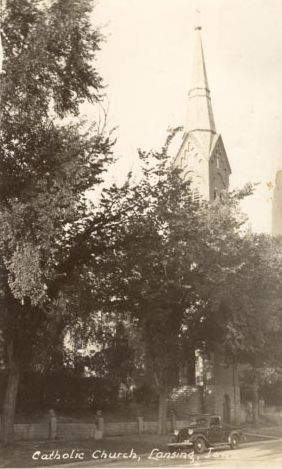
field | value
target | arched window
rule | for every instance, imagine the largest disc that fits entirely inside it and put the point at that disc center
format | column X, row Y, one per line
column 196, row 195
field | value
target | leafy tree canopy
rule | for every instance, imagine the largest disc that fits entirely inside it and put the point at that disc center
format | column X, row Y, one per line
column 49, row 158
column 168, row 255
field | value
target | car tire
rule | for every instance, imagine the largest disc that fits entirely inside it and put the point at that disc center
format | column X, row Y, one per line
column 199, row 445
column 234, row 441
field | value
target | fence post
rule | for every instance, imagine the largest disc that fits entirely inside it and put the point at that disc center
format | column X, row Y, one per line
column 52, row 424
column 140, row 424
column 261, row 407
column 173, row 420
column 99, row 426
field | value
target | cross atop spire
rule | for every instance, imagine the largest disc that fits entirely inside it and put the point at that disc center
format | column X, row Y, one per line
column 200, row 114
column 198, row 19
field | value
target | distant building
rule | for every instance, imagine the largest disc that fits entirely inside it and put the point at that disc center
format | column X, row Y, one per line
column 203, row 159
column 277, row 206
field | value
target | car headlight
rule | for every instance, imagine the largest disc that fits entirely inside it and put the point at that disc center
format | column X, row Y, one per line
column 176, row 432
column 190, row 431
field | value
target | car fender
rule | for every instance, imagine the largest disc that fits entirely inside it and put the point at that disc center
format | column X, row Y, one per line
column 233, row 432
column 199, row 435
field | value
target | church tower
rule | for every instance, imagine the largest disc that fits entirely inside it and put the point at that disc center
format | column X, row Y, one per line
column 277, row 206
column 203, row 160
column 202, row 156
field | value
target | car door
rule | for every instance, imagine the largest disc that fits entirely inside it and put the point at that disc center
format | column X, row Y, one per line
column 216, row 431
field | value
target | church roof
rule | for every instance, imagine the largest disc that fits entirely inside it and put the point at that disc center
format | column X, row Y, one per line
column 217, row 141
column 199, row 113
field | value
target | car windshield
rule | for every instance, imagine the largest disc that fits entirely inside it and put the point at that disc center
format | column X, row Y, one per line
column 198, row 421
column 215, row 421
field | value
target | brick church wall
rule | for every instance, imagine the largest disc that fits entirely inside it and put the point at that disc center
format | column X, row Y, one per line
column 185, row 400
column 222, row 391
column 214, row 398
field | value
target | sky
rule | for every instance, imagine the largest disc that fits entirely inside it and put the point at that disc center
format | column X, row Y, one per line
column 146, row 64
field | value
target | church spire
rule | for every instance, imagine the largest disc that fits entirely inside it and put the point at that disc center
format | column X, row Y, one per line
column 202, row 156
column 199, row 113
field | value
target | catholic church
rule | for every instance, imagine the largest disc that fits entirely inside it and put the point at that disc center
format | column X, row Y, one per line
column 202, row 158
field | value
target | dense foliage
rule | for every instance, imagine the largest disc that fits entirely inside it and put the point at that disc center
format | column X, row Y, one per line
column 151, row 274
column 172, row 255
column 48, row 159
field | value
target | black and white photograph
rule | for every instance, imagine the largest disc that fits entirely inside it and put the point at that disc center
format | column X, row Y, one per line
column 141, row 234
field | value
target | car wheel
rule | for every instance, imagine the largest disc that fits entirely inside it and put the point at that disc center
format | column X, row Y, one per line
column 199, row 445
column 234, row 442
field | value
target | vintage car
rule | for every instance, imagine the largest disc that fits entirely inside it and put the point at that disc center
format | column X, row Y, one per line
column 206, row 431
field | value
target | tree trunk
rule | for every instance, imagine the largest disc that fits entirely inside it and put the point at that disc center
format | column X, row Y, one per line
column 162, row 412
column 255, row 401
column 10, row 398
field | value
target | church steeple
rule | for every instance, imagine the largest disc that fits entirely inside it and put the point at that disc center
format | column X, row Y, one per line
column 199, row 112
column 202, row 157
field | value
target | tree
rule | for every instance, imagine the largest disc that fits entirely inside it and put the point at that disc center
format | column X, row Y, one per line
column 263, row 315
column 172, row 248
column 48, row 160
column 247, row 312
column 102, row 345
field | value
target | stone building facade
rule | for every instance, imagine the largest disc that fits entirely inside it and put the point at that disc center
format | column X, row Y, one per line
column 203, row 160
column 277, row 206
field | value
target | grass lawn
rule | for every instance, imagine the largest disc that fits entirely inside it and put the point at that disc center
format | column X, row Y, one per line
column 22, row 453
